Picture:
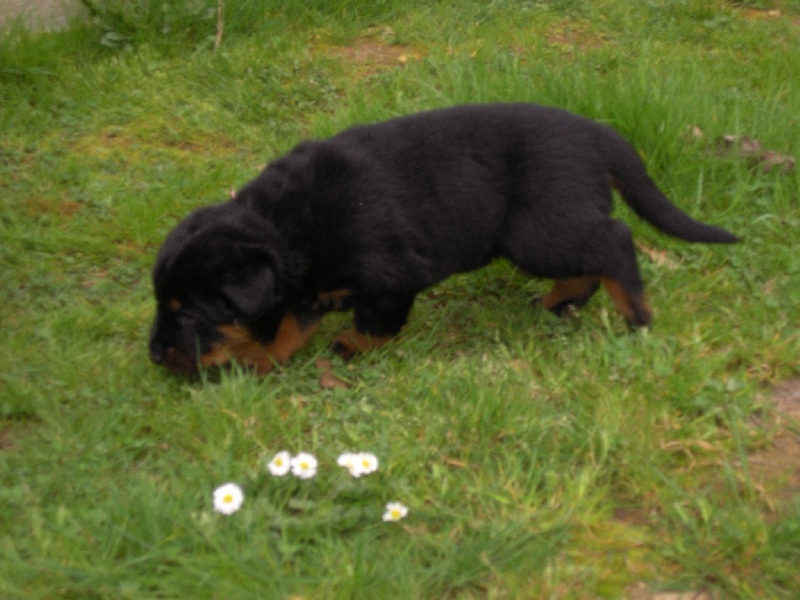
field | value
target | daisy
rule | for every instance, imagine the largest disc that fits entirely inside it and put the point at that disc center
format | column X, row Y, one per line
column 228, row 498
column 348, row 461
column 304, row 466
column 367, row 462
column 358, row 464
column 395, row 511
column 280, row 464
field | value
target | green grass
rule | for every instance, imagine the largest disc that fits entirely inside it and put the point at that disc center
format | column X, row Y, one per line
column 540, row 458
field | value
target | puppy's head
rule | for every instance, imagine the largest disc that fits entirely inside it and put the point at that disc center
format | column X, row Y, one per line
column 220, row 282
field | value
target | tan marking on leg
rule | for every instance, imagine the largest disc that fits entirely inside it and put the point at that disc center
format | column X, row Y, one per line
column 291, row 337
column 572, row 288
column 634, row 309
column 240, row 345
column 352, row 341
column 174, row 305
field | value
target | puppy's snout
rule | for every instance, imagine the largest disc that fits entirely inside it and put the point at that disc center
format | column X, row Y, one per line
column 158, row 354
column 174, row 360
column 158, row 350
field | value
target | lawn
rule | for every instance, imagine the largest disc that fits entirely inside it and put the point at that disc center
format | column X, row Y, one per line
column 538, row 457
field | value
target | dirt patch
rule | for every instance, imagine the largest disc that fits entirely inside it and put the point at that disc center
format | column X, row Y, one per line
column 642, row 592
column 6, row 441
column 127, row 141
column 368, row 56
column 42, row 14
column 787, row 399
column 767, row 14
column 776, row 469
column 102, row 143
column 371, row 53
column 575, row 36
column 48, row 206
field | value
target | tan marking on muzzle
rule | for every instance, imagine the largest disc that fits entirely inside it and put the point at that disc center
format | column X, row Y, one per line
column 239, row 345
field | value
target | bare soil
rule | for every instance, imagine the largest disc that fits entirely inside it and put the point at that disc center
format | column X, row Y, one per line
column 777, row 468
column 41, row 14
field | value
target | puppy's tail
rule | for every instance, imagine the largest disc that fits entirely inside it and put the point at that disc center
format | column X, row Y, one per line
column 629, row 176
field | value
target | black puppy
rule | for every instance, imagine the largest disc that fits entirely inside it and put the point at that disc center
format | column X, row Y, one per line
column 369, row 218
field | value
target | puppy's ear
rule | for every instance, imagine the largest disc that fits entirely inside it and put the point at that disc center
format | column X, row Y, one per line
column 251, row 289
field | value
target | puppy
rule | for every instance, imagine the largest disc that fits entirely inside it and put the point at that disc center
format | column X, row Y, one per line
column 369, row 218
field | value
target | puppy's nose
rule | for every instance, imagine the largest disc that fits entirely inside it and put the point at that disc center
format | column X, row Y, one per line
column 158, row 354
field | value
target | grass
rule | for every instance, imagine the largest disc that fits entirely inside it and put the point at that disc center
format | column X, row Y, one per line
column 540, row 458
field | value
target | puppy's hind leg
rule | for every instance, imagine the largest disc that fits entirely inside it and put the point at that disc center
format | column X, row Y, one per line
column 599, row 251
column 569, row 292
column 631, row 306
column 619, row 273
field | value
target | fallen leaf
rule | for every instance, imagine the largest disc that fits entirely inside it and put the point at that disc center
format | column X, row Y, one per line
column 693, row 131
column 762, row 14
column 741, row 146
column 519, row 365
column 750, row 148
column 771, row 159
column 453, row 462
column 659, row 257
column 328, row 380
column 641, row 591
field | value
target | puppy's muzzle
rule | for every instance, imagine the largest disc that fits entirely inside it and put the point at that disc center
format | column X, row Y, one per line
column 173, row 359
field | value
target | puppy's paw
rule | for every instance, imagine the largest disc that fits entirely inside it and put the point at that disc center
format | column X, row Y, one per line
column 351, row 341
column 342, row 350
column 563, row 309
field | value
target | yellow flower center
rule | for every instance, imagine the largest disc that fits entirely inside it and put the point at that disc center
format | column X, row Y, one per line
column 228, row 498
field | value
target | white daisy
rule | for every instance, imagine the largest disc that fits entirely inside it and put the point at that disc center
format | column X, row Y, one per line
column 228, row 498
column 358, row 464
column 367, row 462
column 395, row 511
column 280, row 464
column 348, row 461
column 304, row 465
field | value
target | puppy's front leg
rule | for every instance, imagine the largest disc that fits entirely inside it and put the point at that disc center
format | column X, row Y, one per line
column 292, row 335
column 378, row 318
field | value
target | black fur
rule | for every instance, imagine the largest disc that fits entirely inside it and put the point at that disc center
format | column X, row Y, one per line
column 380, row 212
